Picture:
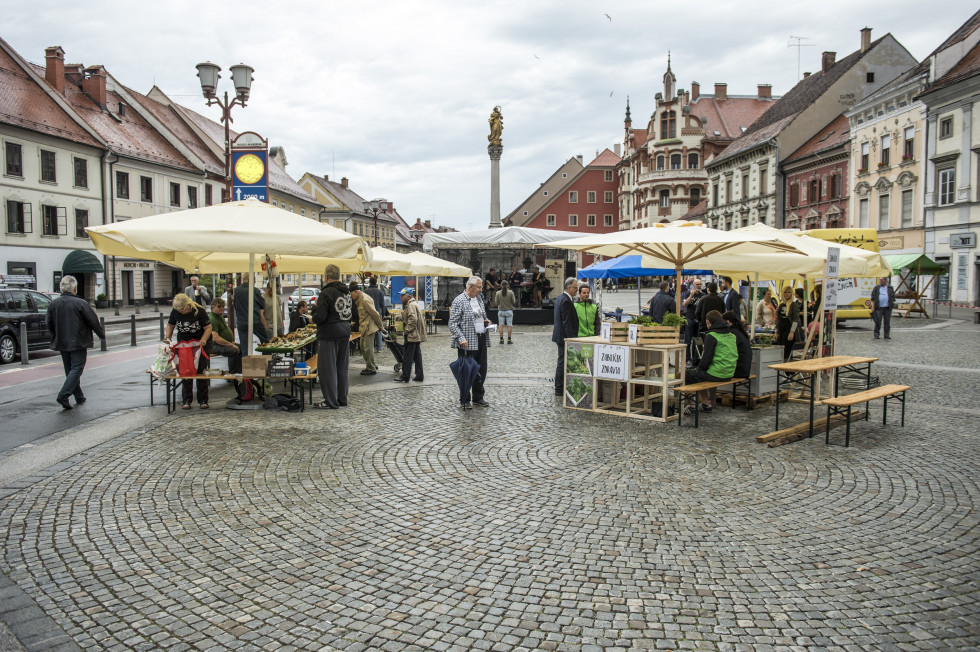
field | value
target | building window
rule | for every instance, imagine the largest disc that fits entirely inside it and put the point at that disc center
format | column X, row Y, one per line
column 609, row 175
column 191, row 197
column 947, row 179
column 714, row 194
column 607, row 197
column 692, row 161
column 175, row 194
column 590, row 220
column 302, row 212
column 590, row 196
column 675, row 161
column 122, row 185
column 695, row 196
column 763, row 181
column 865, row 156
column 908, row 147
column 14, row 156
column 146, row 189
column 664, row 199
column 886, row 145
column 884, row 212
column 573, row 196
column 870, row 77
column 550, row 220
column 835, row 185
column 573, row 220
column 18, row 217
column 946, row 127
column 545, row 193
column 275, row 203
column 208, row 197
column 607, row 220
column 48, row 167
column 81, row 173
column 794, row 194
column 814, row 191
column 81, row 222
column 745, row 185
column 53, row 217
column 661, row 161
column 668, row 125
column 863, row 214
column 907, row 200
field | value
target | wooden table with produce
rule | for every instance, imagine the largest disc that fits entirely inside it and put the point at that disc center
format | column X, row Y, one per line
column 299, row 343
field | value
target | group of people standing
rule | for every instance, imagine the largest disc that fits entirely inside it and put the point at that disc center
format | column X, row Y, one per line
column 529, row 294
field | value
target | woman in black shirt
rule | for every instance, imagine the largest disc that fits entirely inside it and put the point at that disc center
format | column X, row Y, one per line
column 190, row 322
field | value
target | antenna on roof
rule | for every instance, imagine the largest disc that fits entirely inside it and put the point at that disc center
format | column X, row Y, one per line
column 799, row 45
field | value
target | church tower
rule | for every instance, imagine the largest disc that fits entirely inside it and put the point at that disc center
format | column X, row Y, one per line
column 670, row 82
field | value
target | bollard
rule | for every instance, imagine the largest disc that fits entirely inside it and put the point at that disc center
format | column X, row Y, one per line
column 104, row 346
column 156, row 306
column 118, row 303
column 132, row 330
column 24, row 359
column 161, row 327
column 138, row 304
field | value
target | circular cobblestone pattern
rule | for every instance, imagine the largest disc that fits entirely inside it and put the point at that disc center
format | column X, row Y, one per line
column 404, row 523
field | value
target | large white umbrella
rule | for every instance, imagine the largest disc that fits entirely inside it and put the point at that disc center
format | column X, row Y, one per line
column 426, row 265
column 227, row 237
column 685, row 245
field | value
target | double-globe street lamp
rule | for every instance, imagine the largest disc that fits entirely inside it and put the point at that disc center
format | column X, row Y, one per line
column 374, row 208
column 241, row 76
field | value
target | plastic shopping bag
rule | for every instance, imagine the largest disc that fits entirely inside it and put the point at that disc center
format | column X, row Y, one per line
column 188, row 356
column 164, row 362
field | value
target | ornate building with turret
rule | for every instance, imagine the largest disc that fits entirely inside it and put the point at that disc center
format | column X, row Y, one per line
column 661, row 176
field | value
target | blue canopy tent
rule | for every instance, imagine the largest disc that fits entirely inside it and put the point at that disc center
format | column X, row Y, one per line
column 629, row 267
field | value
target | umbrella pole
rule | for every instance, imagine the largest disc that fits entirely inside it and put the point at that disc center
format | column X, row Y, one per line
column 677, row 290
column 752, row 304
column 639, row 302
column 251, row 303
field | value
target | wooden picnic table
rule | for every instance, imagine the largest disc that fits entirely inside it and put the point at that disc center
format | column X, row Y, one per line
column 803, row 373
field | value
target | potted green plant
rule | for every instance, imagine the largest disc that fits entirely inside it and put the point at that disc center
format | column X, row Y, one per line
column 102, row 301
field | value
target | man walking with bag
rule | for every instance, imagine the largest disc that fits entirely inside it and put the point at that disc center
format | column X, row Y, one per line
column 332, row 317
column 71, row 322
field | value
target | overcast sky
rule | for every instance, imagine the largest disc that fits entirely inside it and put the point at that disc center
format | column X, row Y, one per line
column 396, row 95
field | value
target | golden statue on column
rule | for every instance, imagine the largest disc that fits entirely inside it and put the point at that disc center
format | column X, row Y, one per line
column 496, row 126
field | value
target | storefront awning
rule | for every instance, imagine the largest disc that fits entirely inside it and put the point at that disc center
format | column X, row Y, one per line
column 81, row 262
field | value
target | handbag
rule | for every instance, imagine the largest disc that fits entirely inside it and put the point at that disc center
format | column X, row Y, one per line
column 189, row 355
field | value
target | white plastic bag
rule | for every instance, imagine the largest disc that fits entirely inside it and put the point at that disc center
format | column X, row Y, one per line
column 163, row 364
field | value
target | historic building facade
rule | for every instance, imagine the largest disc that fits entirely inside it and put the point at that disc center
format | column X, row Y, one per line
column 662, row 174
column 746, row 181
column 816, row 175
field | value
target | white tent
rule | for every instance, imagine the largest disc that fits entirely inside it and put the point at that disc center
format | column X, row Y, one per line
column 509, row 237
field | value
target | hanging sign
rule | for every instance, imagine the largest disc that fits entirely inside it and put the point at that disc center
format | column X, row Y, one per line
column 633, row 333
column 830, row 284
column 604, row 331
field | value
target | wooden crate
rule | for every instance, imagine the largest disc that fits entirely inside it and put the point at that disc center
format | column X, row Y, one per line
column 619, row 332
column 657, row 335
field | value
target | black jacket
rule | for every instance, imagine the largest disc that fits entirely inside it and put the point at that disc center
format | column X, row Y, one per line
column 71, row 322
column 566, row 321
column 706, row 305
column 744, row 365
column 660, row 305
column 333, row 311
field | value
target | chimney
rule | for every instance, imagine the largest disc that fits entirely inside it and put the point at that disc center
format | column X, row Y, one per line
column 391, row 207
column 326, row 177
column 74, row 73
column 343, row 181
column 695, row 91
column 428, row 224
column 94, row 84
column 579, row 157
column 865, row 39
column 828, row 61
column 765, row 91
column 721, row 91
column 805, row 75
column 54, row 68
column 616, row 149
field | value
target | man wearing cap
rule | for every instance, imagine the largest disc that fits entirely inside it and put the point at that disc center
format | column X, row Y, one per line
column 414, row 336
column 369, row 323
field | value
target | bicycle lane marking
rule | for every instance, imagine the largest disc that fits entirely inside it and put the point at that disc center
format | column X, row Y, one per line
column 55, row 368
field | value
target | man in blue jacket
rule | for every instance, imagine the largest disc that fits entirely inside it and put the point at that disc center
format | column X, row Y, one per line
column 71, row 322
column 566, row 325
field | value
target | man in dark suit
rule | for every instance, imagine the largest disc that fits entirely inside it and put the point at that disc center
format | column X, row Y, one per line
column 730, row 295
column 882, row 300
column 566, row 325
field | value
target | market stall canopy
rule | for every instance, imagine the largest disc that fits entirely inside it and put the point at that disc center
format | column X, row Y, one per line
column 509, row 237
column 221, row 238
column 853, row 261
column 919, row 262
column 431, row 266
column 416, row 263
column 628, row 267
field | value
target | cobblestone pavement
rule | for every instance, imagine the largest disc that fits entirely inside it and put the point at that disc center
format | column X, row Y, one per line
column 404, row 523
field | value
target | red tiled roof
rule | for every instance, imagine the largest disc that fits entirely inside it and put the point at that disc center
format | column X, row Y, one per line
column 697, row 211
column 967, row 67
column 605, row 159
column 173, row 122
column 25, row 104
column 639, row 137
column 829, row 137
column 729, row 116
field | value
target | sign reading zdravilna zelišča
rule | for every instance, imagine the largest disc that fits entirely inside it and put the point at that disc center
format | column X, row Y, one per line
column 250, row 167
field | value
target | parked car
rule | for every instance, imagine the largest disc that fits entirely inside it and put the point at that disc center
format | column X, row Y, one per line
column 309, row 296
column 19, row 306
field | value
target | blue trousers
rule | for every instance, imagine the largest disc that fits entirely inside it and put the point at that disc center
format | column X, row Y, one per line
column 74, row 366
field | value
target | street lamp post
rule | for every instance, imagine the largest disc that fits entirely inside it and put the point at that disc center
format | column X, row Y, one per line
column 374, row 207
column 241, row 76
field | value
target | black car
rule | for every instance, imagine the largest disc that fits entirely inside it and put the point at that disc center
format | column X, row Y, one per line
column 22, row 306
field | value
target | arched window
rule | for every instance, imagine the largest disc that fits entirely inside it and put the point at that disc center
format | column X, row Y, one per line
column 675, row 161
column 692, row 161
column 668, row 125
column 660, row 162
column 664, row 199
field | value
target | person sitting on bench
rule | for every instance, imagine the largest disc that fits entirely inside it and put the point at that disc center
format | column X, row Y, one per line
column 717, row 361
column 743, row 368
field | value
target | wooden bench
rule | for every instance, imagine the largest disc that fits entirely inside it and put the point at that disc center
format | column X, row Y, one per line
column 841, row 405
column 684, row 391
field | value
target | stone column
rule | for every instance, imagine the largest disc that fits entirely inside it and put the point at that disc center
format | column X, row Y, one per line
column 495, row 151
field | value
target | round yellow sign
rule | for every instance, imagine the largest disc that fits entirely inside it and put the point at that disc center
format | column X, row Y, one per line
column 249, row 169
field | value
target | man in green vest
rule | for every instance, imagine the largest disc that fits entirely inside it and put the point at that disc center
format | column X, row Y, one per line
column 588, row 313
column 718, row 360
